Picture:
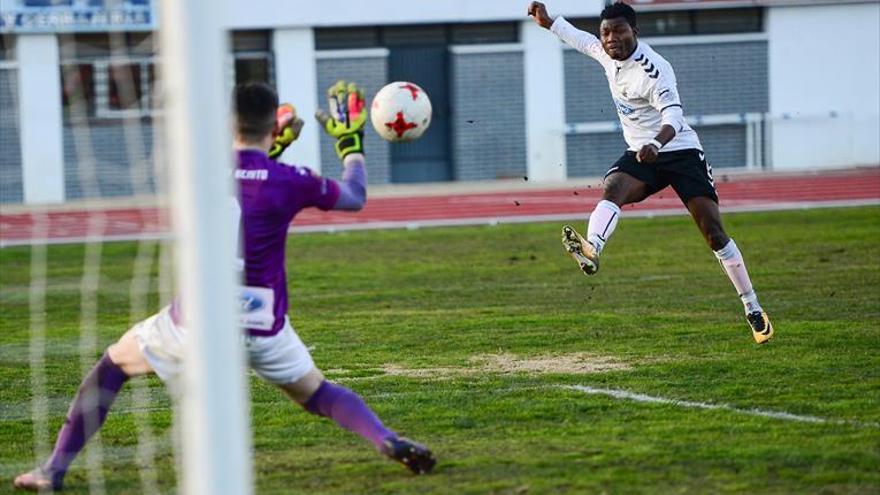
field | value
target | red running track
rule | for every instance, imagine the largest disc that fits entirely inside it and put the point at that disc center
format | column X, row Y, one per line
column 751, row 192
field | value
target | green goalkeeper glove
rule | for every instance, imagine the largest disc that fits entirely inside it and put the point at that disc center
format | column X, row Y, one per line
column 346, row 119
column 287, row 129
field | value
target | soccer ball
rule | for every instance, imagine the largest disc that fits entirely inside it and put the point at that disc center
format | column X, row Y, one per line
column 401, row 112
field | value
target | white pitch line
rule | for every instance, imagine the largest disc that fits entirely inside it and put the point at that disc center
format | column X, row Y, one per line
column 627, row 395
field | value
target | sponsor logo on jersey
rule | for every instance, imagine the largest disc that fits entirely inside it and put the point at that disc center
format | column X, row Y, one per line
column 251, row 301
column 624, row 109
column 256, row 307
column 667, row 97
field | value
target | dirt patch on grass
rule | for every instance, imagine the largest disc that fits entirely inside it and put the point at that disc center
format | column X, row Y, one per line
column 575, row 363
column 395, row 370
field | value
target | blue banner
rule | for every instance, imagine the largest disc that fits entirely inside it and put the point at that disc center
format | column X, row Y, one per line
column 37, row 17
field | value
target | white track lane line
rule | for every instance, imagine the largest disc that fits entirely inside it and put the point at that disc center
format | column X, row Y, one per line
column 627, row 395
column 461, row 222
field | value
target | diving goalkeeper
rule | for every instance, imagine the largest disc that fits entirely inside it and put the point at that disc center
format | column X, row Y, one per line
column 270, row 196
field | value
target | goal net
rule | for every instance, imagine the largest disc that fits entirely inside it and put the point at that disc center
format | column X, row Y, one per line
column 126, row 102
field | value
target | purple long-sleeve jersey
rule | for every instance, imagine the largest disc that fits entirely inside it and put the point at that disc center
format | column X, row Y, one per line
column 271, row 194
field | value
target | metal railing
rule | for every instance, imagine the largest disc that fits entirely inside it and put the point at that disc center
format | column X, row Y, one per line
column 758, row 129
column 754, row 123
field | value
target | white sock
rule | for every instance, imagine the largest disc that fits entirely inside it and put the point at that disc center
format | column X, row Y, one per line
column 603, row 220
column 732, row 261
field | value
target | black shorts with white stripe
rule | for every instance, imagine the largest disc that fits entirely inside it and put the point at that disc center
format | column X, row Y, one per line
column 687, row 171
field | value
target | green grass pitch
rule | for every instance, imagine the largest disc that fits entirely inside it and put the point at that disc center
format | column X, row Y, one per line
column 463, row 338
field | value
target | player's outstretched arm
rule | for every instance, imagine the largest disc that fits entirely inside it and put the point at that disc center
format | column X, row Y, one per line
column 353, row 188
column 345, row 121
column 581, row 41
column 538, row 12
column 287, row 129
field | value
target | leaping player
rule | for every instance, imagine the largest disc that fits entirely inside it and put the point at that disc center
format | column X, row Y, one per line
column 663, row 149
column 270, row 195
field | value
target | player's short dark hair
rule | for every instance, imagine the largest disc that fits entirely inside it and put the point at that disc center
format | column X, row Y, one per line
column 619, row 9
column 255, row 105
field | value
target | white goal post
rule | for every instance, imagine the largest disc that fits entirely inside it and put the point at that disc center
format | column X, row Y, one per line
column 215, row 421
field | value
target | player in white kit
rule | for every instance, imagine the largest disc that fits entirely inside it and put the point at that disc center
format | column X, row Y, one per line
column 663, row 150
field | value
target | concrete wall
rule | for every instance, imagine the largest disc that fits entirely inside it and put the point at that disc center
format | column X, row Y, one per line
column 544, row 104
column 369, row 68
column 39, row 118
column 825, row 59
column 715, row 74
column 296, row 75
column 11, row 187
column 591, row 155
column 488, row 121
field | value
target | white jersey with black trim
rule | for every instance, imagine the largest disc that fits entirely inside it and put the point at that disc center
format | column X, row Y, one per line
column 643, row 88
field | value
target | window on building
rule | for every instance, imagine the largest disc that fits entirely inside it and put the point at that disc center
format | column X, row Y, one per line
column 420, row 34
column 252, row 55
column 108, row 75
column 253, row 68
column 488, row 32
column 718, row 21
column 85, row 45
column 7, row 47
column 425, row 34
column 126, row 89
column 690, row 22
column 141, row 44
column 341, row 38
column 78, row 89
column 665, row 24
column 251, row 41
column 152, row 76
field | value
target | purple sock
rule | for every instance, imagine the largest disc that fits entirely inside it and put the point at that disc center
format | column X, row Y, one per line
column 87, row 412
column 349, row 411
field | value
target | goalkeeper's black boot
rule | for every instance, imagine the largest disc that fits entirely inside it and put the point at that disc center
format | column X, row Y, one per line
column 416, row 457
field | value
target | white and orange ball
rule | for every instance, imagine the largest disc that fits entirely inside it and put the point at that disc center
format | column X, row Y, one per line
column 401, row 112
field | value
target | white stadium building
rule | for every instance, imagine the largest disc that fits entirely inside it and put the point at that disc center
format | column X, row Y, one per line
column 768, row 84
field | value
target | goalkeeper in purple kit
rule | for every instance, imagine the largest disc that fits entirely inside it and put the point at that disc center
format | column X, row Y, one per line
column 270, row 196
